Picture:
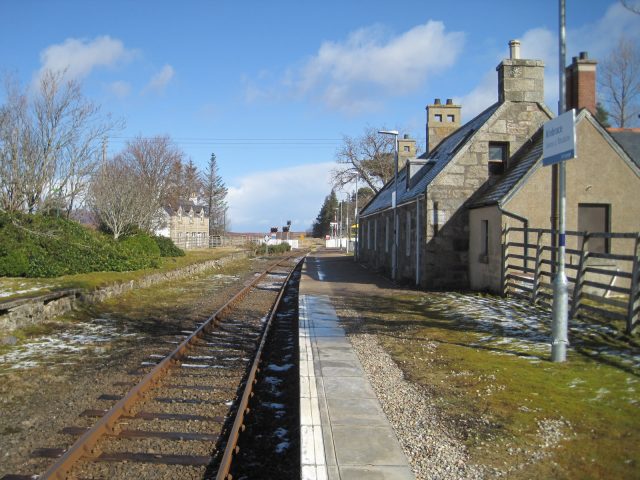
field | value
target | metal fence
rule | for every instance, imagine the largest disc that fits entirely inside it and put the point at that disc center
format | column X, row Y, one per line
column 604, row 280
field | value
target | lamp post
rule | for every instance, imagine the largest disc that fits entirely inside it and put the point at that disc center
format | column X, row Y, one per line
column 394, row 205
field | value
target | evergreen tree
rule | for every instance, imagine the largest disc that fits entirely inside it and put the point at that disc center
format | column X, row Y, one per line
column 322, row 224
column 602, row 115
column 215, row 192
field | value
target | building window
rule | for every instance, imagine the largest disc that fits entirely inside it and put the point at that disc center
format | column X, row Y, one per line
column 484, row 241
column 408, row 233
column 407, row 148
column 438, row 117
column 386, row 234
column 369, row 235
column 375, row 234
column 498, row 154
column 451, row 118
column 592, row 218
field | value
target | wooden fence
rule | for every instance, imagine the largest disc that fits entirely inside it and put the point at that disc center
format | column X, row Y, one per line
column 604, row 282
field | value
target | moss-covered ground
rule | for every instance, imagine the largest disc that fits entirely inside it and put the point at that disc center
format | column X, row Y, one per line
column 13, row 288
column 485, row 362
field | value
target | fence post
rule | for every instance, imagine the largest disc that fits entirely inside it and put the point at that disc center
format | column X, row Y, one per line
column 537, row 268
column 580, row 276
column 505, row 255
column 634, row 291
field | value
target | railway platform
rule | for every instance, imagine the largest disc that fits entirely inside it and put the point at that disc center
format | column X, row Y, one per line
column 344, row 432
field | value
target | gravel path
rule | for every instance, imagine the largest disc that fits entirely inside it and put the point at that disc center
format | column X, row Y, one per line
column 427, row 439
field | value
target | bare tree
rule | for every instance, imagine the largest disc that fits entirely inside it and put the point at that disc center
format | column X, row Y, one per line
column 16, row 144
column 117, row 198
column 151, row 161
column 49, row 143
column 631, row 5
column 369, row 156
column 619, row 79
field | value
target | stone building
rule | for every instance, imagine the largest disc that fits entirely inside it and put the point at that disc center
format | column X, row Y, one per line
column 433, row 191
column 187, row 224
column 603, row 195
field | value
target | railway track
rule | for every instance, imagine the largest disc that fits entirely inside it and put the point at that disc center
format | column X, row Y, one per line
column 189, row 405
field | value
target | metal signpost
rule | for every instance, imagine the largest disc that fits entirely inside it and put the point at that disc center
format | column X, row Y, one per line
column 559, row 145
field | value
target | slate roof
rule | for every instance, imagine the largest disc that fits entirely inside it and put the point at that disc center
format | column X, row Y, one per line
column 629, row 140
column 186, row 206
column 437, row 159
column 522, row 164
column 529, row 158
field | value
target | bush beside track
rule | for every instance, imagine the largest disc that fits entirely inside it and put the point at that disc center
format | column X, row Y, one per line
column 48, row 246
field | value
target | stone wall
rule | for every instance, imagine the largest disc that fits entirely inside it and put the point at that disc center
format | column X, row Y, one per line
column 29, row 311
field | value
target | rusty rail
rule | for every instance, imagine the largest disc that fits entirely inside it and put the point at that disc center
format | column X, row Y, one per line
column 84, row 446
column 232, row 447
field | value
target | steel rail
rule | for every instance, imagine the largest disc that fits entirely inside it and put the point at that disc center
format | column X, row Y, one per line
column 84, row 446
column 243, row 408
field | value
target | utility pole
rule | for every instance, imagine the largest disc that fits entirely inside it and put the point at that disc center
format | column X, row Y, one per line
column 560, row 284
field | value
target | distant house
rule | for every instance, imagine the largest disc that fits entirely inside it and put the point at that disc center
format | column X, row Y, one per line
column 186, row 223
column 433, row 191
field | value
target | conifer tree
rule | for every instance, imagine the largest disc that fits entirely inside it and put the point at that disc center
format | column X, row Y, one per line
column 215, row 192
column 322, row 224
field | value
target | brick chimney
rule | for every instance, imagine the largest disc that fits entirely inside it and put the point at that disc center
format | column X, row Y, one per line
column 520, row 80
column 442, row 121
column 581, row 83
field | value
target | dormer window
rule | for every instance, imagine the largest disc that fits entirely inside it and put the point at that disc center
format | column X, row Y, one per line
column 191, row 216
column 498, row 154
column 180, row 214
column 202, row 216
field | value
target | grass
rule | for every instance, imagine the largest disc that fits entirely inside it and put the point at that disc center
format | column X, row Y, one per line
column 28, row 287
column 504, row 395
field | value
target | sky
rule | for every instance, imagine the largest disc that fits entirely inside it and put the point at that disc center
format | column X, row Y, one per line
column 272, row 87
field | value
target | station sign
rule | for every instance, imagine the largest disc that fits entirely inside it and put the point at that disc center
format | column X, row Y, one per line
column 559, row 139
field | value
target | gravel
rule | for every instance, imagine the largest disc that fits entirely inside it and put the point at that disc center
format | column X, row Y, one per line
column 434, row 453
column 431, row 442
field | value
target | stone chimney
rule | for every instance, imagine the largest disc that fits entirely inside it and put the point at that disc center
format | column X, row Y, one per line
column 520, row 80
column 406, row 150
column 581, row 83
column 442, row 121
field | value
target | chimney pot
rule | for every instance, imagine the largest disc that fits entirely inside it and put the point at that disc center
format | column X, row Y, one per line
column 584, row 55
column 437, row 101
column 514, row 49
column 406, row 136
column 449, row 101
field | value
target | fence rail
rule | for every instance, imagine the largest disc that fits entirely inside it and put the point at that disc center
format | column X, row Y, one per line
column 604, row 282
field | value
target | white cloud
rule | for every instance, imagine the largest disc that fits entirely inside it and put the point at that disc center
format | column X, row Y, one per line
column 264, row 199
column 161, row 79
column 79, row 57
column 358, row 74
column 120, row 89
column 598, row 39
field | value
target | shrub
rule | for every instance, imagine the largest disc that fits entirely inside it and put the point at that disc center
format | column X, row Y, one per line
column 273, row 249
column 46, row 246
column 167, row 247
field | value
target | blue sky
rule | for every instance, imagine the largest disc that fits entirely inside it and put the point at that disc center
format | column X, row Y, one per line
column 272, row 87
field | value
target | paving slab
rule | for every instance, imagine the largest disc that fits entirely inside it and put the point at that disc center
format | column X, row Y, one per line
column 344, row 432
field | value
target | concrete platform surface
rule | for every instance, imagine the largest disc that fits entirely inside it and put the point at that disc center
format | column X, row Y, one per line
column 344, row 432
